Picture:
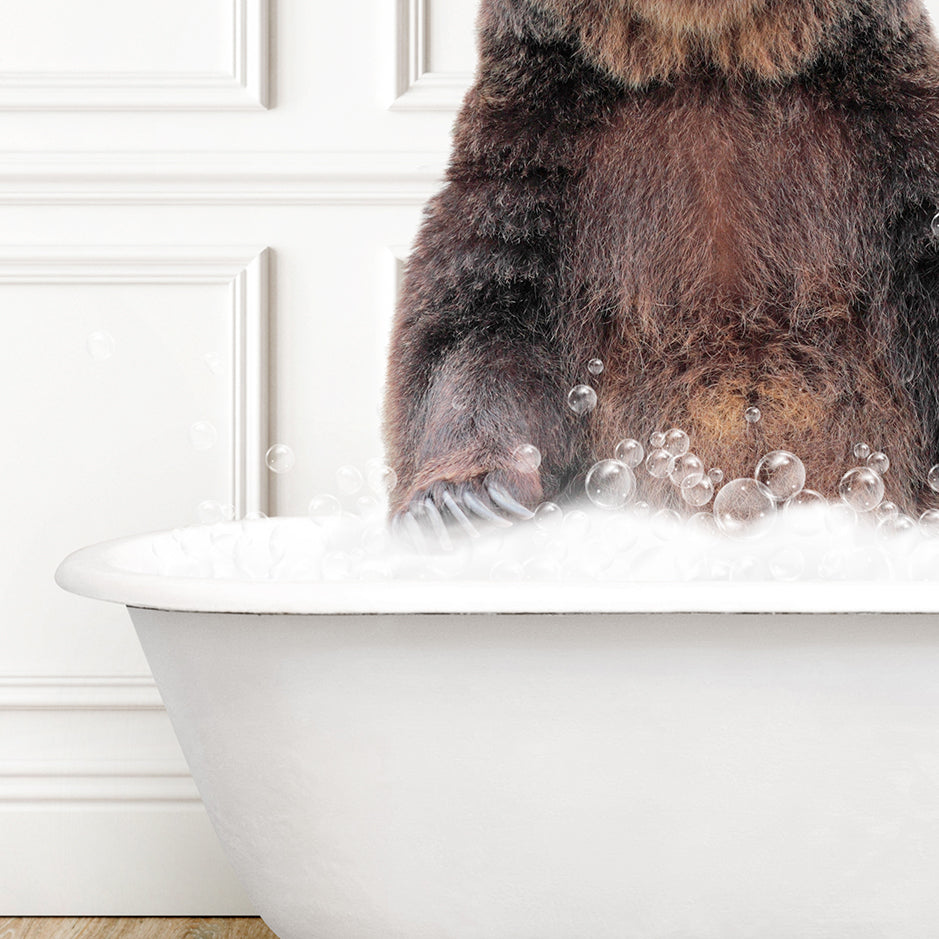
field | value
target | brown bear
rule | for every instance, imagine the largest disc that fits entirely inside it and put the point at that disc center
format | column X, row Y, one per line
column 730, row 202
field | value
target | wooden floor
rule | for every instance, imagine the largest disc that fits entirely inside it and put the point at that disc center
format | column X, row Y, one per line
column 151, row 927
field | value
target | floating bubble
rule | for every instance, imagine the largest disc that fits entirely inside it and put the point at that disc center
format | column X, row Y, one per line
column 610, row 484
column 879, row 462
column 203, row 435
column 380, row 477
column 582, row 399
column 677, row 442
column 699, row 492
column 595, row 366
column 897, row 525
column 788, row 564
column 210, row 512
column 527, row 458
column 885, row 510
column 577, row 524
column 862, row 489
column 548, row 516
column 703, row 523
column 783, row 473
column 840, row 518
column 716, row 475
column 862, row 451
column 752, row 415
column 660, row 463
column 349, row 479
column 367, row 505
column 280, row 458
column 666, row 523
column 100, row 345
column 657, row 440
column 630, row 452
column 929, row 522
column 213, row 363
column 933, row 478
column 745, row 508
column 802, row 511
column 324, row 508
column 688, row 470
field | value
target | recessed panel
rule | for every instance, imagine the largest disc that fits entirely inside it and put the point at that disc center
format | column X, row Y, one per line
column 451, row 31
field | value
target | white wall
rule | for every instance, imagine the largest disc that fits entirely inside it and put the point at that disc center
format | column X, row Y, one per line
column 187, row 177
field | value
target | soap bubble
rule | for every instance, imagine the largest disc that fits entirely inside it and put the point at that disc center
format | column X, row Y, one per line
column 100, row 345
column 657, row 440
column 576, row 524
column 666, row 523
column 862, row 451
column 934, row 226
column 676, row 442
column 805, row 499
column 213, row 363
column 885, row 510
column 688, row 470
column 933, row 478
column 381, row 478
column 788, row 564
column 527, row 458
column 595, row 366
column 783, row 473
column 897, row 525
column 254, row 516
column 349, row 479
column 840, row 518
column 929, row 522
column 280, row 458
column 610, row 484
column 630, row 452
column 752, row 415
column 211, row 512
column 744, row 507
column 367, row 505
column 879, row 462
column 203, row 435
column 862, row 489
column 703, row 523
column 699, row 492
column 802, row 511
column 582, row 399
column 660, row 463
column 716, row 475
column 548, row 516
column 324, row 508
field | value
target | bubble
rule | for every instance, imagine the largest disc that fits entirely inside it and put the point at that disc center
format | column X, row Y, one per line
column 933, row 478
column 688, row 470
column 897, row 525
column 610, row 484
column 744, row 507
column 752, row 415
column 879, row 462
column 862, row 451
column 576, row 524
column 100, row 345
column 657, row 440
column 595, row 366
column 934, row 225
column 203, row 435
column 349, row 479
column 788, row 564
column 324, row 508
column 802, row 509
column 885, row 510
column 527, row 458
column 367, row 505
column 213, row 363
column 549, row 516
column 862, row 489
column 783, row 473
column 380, row 477
column 677, row 442
column 699, row 492
column 280, row 458
column 211, row 512
column 840, row 518
column 929, row 522
column 660, row 463
column 716, row 475
column 582, row 399
column 630, row 452
column 666, row 524
column 702, row 523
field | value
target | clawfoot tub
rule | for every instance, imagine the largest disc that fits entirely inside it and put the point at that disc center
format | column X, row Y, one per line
column 548, row 761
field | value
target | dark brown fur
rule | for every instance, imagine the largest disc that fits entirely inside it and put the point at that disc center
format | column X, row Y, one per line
column 728, row 201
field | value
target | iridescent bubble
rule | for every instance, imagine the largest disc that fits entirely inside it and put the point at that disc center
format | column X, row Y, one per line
column 595, row 366
column 381, row 478
column 929, row 522
column 549, row 516
column 280, row 458
column 527, row 458
column 885, row 510
column 879, row 462
column 324, row 508
column 660, row 463
column 752, row 415
column 788, row 564
column 657, row 440
column 100, row 345
column 610, row 484
column 933, row 478
column 699, row 492
column 744, row 507
column 677, row 442
column 688, row 469
column 862, row 451
column 582, row 399
column 630, row 452
column 349, row 479
column 862, row 489
column 203, row 435
column 782, row 472
column 716, row 475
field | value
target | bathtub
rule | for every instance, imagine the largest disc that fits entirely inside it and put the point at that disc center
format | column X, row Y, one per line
column 542, row 761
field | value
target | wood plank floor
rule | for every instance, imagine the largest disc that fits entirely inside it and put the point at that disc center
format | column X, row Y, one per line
column 150, row 927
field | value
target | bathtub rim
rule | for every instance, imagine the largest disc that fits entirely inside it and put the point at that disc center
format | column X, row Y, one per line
column 91, row 572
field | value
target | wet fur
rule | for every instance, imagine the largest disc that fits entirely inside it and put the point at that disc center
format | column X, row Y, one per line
column 726, row 208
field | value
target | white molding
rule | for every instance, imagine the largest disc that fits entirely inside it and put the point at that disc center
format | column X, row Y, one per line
column 416, row 87
column 244, row 270
column 79, row 693
column 219, row 178
column 245, row 87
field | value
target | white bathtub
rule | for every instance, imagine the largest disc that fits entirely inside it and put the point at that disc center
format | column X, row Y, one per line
column 542, row 761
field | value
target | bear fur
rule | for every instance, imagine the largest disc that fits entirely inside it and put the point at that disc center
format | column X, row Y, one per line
column 727, row 201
